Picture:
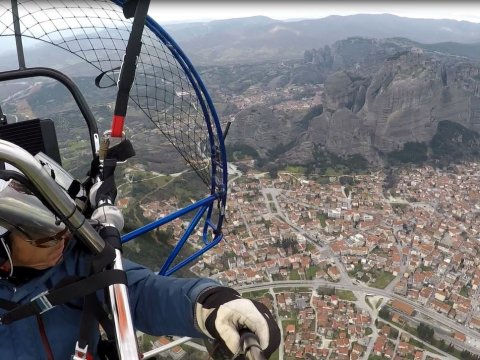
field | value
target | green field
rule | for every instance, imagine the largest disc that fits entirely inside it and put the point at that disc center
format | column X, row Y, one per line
column 294, row 275
column 311, row 272
column 345, row 295
column 254, row 294
column 295, row 169
column 382, row 279
column 367, row 300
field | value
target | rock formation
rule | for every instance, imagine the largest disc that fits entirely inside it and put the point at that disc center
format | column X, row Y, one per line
column 377, row 95
column 387, row 95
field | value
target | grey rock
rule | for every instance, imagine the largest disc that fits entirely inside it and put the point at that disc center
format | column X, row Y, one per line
column 378, row 95
column 264, row 129
column 402, row 101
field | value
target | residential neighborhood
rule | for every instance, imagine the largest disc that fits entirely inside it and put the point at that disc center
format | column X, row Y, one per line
column 410, row 243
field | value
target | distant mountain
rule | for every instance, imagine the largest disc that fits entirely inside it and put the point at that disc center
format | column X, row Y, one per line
column 261, row 38
column 471, row 51
column 376, row 95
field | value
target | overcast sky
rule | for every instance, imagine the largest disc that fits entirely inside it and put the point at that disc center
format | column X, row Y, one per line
column 185, row 11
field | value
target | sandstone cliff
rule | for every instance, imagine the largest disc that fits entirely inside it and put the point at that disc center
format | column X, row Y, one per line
column 376, row 96
column 387, row 94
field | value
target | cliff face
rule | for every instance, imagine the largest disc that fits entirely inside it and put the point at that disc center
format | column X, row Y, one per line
column 388, row 94
column 376, row 96
column 359, row 54
column 266, row 130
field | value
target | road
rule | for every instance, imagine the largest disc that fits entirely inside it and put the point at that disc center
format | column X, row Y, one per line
column 279, row 322
column 367, row 290
column 273, row 192
column 271, row 196
column 362, row 304
column 403, row 268
column 443, row 355
column 475, row 305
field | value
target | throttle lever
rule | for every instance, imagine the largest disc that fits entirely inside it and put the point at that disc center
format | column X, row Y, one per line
column 250, row 345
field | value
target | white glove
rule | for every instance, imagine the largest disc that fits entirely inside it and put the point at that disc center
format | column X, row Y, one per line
column 93, row 193
column 221, row 313
column 109, row 215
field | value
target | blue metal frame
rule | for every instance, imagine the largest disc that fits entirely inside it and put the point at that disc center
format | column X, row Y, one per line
column 218, row 159
column 202, row 206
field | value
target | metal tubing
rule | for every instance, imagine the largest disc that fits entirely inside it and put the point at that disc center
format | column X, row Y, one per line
column 152, row 353
column 70, row 85
column 250, row 345
column 208, row 224
column 207, row 247
column 193, row 224
column 122, row 317
column 153, row 225
column 63, row 205
column 18, row 35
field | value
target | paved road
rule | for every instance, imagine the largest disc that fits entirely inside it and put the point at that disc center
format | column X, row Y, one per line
column 279, row 322
column 274, row 192
column 362, row 304
column 346, row 282
column 443, row 355
column 368, row 290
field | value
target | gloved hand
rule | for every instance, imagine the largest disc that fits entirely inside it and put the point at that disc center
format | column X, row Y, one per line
column 106, row 189
column 221, row 313
column 109, row 215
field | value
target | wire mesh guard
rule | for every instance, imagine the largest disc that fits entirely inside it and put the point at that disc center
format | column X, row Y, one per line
column 165, row 88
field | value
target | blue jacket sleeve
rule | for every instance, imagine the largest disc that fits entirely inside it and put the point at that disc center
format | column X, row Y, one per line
column 164, row 305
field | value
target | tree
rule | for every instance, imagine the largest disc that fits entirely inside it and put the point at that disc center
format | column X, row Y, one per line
column 384, row 313
column 268, row 224
column 425, row 332
column 443, row 345
column 273, row 172
column 326, row 290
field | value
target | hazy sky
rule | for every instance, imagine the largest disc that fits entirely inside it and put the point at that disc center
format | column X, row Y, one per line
column 173, row 11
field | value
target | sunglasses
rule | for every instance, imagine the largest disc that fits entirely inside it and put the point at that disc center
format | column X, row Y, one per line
column 49, row 241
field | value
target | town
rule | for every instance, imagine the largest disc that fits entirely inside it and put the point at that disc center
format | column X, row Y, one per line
column 354, row 245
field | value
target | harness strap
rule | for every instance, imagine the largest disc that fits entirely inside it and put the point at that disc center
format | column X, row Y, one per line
column 103, row 319
column 49, row 299
column 103, row 259
column 10, row 305
column 7, row 305
column 86, row 325
column 43, row 336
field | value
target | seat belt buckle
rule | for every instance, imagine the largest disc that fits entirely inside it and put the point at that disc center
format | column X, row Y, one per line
column 80, row 353
column 42, row 303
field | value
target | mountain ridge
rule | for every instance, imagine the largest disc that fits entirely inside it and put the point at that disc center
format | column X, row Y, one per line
column 263, row 38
